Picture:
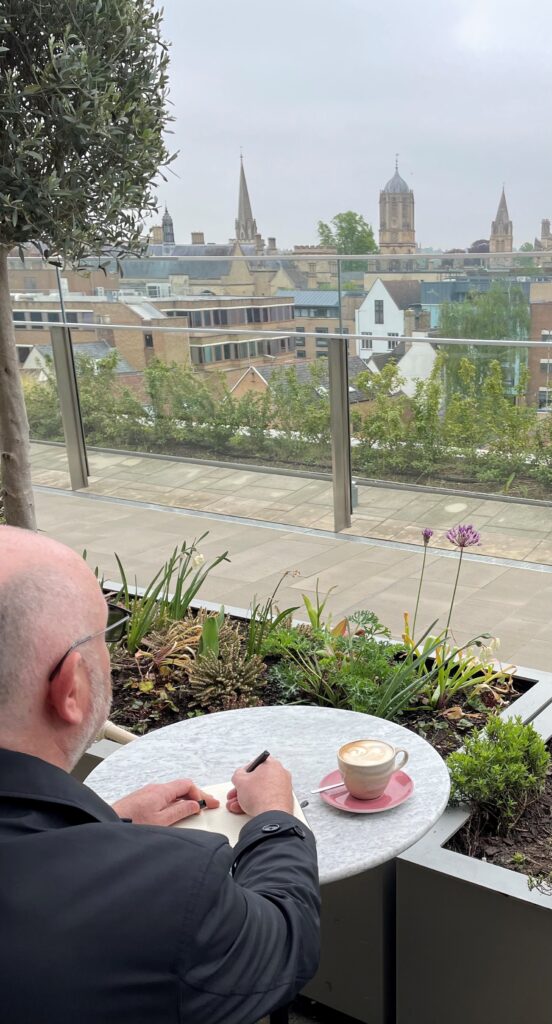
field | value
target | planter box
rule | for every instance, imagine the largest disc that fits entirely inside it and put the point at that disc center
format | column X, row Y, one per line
column 357, row 971
column 473, row 943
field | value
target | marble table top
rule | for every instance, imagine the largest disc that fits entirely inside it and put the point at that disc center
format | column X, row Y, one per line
column 306, row 739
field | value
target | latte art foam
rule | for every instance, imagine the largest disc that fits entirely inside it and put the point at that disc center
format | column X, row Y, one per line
column 366, row 753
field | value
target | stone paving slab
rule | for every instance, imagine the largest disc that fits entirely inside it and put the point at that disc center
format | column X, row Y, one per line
column 514, row 603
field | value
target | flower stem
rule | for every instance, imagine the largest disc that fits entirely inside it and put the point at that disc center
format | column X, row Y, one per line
column 418, row 597
column 454, row 592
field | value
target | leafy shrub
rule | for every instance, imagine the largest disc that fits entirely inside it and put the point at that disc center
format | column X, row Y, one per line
column 499, row 772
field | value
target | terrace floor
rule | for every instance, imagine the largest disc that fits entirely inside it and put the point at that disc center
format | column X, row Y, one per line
column 510, row 529
column 495, row 595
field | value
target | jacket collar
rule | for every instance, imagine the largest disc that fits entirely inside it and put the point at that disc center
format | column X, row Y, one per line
column 29, row 778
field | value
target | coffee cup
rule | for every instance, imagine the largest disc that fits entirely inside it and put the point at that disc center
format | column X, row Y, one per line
column 367, row 766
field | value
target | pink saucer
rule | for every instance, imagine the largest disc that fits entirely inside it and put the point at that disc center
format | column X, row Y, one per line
column 399, row 788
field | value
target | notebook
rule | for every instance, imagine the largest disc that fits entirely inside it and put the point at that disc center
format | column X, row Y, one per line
column 223, row 821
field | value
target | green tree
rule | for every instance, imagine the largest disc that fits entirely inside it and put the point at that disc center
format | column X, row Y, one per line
column 500, row 313
column 82, row 119
column 348, row 233
column 527, row 247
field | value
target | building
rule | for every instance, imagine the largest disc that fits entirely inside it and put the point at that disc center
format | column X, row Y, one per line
column 539, row 389
column 168, row 228
column 544, row 243
column 502, row 231
column 414, row 361
column 257, row 379
column 397, row 231
column 317, row 313
column 390, row 310
column 246, row 225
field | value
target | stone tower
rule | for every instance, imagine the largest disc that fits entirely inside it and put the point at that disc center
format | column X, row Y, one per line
column 502, row 232
column 397, row 233
column 246, row 225
column 168, row 228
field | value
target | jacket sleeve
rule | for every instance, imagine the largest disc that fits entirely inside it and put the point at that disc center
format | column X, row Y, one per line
column 255, row 939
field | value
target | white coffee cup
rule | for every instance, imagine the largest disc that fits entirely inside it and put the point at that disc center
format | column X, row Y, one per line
column 367, row 766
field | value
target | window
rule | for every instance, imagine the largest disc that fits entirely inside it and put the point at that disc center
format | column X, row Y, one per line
column 391, row 344
column 72, row 318
column 546, row 365
column 18, row 316
column 300, row 330
column 196, row 319
column 300, row 353
column 36, row 321
column 53, row 318
column 207, row 318
column 148, row 340
column 322, row 330
column 312, row 268
column 378, row 311
column 333, row 266
column 545, row 398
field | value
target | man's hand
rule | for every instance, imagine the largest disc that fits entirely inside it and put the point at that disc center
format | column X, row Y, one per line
column 267, row 788
column 163, row 803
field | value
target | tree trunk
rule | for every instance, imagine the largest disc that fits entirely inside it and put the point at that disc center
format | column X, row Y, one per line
column 15, row 466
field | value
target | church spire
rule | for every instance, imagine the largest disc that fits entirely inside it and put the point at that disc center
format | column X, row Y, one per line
column 502, row 231
column 246, row 225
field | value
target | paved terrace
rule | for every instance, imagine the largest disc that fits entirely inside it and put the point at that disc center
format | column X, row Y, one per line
column 510, row 529
column 496, row 595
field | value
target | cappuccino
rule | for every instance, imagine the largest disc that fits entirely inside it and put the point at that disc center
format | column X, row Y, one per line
column 367, row 766
column 367, row 752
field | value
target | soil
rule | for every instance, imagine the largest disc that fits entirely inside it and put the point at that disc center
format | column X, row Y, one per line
column 140, row 710
column 528, row 846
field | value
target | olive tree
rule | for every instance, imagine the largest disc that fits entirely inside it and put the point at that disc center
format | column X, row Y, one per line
column 83, row 90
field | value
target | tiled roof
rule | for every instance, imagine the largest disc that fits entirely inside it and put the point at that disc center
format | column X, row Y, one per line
column 302, row 368
column 315, row 297
column 92, row 350
column 404, row 293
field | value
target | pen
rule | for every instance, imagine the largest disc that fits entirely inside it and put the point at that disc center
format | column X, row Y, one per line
column 258, row 760
column 202, row 803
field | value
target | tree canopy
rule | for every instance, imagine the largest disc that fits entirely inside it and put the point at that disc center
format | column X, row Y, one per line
column 348, row 232
column 83, row 90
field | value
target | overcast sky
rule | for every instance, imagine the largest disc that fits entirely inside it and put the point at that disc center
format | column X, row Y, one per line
column 322, row 93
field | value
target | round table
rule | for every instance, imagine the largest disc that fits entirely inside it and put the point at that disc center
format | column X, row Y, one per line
column 207, row 749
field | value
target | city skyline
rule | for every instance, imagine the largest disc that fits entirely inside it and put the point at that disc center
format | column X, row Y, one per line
column 320, row 102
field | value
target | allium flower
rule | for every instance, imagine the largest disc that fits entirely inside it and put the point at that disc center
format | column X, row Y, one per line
column 464, row 536
column 427, row 534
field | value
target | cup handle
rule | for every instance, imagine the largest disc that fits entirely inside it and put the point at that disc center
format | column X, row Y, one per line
column 404, row 760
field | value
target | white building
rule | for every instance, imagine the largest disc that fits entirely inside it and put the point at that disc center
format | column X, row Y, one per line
column 391, row 311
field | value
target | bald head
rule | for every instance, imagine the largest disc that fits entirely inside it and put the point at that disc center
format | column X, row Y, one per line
column 49, row 599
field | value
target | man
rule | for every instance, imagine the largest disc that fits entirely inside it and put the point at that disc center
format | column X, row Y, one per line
column 107, row 921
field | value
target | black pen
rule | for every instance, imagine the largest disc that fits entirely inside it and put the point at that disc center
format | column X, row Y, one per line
column 258, row 760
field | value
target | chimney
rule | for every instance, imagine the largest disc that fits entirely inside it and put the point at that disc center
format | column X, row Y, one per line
column 272, row 245
column 198, row 238
column 259, row 244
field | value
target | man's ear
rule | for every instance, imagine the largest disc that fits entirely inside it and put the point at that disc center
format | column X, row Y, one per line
column 69, row 690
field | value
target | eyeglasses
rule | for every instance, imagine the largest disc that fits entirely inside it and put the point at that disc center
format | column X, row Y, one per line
column 117, row 619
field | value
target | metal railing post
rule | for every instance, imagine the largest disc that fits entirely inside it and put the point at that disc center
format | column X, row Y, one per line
column 68, row 394
column 341, row 432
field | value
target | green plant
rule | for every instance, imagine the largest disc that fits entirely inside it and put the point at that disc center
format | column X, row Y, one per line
column 83, row 117
column 229, row 679
column 265, row 619
column 210, row 633
column 499, row 773
column 156, row 604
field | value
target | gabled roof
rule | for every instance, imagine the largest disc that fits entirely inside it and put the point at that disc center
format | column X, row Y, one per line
column 302, row 369
column 404, row 293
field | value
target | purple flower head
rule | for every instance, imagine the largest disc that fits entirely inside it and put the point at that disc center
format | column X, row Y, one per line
column 464, row 536
column 427, row 534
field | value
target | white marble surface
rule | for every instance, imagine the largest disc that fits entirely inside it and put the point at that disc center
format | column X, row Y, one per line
column 306, row 740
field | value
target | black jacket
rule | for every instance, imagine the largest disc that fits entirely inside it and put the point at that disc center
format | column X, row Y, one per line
column 104, row 922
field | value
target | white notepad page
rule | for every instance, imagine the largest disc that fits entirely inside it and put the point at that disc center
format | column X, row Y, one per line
column 223, row 821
